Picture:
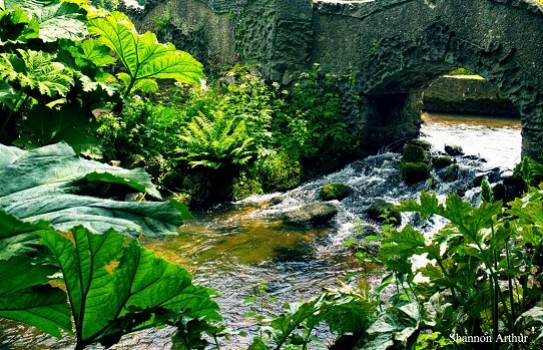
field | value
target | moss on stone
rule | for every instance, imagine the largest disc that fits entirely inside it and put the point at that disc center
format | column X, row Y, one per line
column 454, row 150
column 413, row 154
column 451, row 173
column 421, row 143
column 441, row 162
column 413, row 172
column 330, row 191
column 382, row 210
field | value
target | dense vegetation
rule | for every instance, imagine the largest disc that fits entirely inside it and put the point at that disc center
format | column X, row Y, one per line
column 69, row 252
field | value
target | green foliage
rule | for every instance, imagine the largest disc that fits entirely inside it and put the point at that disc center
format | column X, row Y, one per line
column 44, row 126
column 310, row 121
column 54, row 73
column 530, row 172
column 25, row 295
column 116, row 287
column 143, row 58
column 34, row 66
column 344, row 310
column 143, row 134
column 215, row 141
column 49, row 21
column 47, row 186
column 280, row 172
column 461, row 71
column 110, row 285
column 110, row 5
column 477, row 270
column 36, row 70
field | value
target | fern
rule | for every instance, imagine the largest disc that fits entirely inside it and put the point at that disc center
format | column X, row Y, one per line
column 216, row 141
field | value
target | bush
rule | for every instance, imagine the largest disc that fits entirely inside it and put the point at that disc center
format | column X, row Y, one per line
column 143, row 130
column 279, row 172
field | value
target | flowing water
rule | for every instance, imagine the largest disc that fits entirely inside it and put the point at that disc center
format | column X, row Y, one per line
column 237, row 248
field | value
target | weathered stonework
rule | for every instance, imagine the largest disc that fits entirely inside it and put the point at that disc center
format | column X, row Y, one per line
column 393, row 48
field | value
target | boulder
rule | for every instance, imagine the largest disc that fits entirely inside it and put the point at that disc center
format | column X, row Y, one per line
column 421, row 143
column 451, row 173
column 454, row 150
column 414, row 153
column 330, row 191
column 380, row 207
column 415, row 172
column 441, row 162
column 312, row 214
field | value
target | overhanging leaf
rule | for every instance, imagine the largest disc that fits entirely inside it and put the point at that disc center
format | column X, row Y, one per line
column 57, row 19
column 143, row 57
column 46, row 186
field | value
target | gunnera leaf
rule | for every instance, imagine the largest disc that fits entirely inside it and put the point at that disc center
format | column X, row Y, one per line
column 115, row 286
column 25, row 294
column 47, row 181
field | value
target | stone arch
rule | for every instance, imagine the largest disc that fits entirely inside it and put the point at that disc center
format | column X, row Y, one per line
column 405, row 59
column 397, row 74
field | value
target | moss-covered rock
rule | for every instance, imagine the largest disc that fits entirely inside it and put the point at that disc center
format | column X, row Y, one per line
column 330, row 191
column 454, row 150
column 311, row 214
column 451, row 173
column 425, row 145
column 413, row 154
column 413, row 172
column 441, row 162
column 380, row 210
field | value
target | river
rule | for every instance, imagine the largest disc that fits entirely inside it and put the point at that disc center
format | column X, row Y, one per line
column 236, row 248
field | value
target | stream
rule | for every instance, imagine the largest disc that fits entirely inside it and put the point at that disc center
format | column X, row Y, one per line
column 235, row 248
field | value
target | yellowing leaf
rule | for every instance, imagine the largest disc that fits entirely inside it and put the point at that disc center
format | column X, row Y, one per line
column 115, row 289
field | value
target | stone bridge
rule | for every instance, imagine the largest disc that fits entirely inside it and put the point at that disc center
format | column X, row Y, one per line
column 392, row 48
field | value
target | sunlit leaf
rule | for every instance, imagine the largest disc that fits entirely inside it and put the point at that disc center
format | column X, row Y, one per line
column 116, row 287
column 143, row 57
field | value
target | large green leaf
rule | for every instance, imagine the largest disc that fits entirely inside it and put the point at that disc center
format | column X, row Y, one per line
column 116, row 287
column 24, row 293
column 56, row 19
column 16, row 27
column 18, row 237
column 143, row 57
column 48, row 179
column 36, row 70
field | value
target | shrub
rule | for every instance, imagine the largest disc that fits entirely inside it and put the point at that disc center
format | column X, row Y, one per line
column 279, row 172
